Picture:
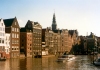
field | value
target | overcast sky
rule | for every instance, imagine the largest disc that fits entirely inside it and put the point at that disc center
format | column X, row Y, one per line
column 83, row 15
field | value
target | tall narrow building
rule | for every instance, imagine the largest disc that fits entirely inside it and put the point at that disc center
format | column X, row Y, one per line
column 25, row 42
column 2, row 38
column 12, row 27
column 54, row 25
column 36, row 29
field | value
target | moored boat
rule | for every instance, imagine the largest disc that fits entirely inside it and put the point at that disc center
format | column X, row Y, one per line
column 97, row 62
column 65, row 58
column 2, row 59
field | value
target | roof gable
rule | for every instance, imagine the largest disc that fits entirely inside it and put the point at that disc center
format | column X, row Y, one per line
column 8, row 22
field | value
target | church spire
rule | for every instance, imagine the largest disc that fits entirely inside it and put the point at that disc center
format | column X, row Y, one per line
column 54, row 25
column 54, row 19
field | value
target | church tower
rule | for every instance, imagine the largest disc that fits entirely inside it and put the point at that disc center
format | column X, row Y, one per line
column 54, row 25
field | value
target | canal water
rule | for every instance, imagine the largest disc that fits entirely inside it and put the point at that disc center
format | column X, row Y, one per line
column 82, row 62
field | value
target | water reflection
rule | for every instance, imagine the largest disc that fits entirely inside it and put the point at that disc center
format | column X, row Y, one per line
column 14, row 64
column 48, row 63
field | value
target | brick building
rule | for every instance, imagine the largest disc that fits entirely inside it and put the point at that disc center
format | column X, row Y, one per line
column 36, row 29
column 26, row 42
column 65, row 38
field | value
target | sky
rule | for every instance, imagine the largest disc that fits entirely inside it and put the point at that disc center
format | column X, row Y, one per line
column 83, row 15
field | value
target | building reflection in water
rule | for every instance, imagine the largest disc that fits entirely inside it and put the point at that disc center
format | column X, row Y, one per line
column 37, row 64
column 14, row 64
column 5, row 65
column 47, row 63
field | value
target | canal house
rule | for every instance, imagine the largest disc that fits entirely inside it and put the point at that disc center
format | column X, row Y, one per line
column 36, row 29
column 2, row 38
column 25, row 42
column 12, row 27
column 7, row 45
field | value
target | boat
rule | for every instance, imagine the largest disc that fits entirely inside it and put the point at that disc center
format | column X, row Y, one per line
column 2, row 59
column 65, row 58
column 70, row 58
column 97, row 62
column 62, row 58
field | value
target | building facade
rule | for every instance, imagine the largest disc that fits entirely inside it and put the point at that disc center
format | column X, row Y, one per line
column 91, row 43
column 64, row 40
column 2, row 39
column 49, row 41
column 7, row 45
column 44, row 47
column 12, row 27
column 36, row 29
column 25, row 42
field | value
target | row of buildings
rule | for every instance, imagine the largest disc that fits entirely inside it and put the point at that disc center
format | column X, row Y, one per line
column 34, row 41
column 37, row 41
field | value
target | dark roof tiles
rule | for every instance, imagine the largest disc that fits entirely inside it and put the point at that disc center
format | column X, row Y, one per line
column 8, row 22
column 56, row 31
column 22, row 29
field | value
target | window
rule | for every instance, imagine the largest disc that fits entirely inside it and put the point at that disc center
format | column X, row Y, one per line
column 0, row 40
column 12, row 48
column 17, row 36
column 15, row 23
column 12, row 35
column 17, row 48
column 7, row 50
column 17, row 30
column 3, row 29
column 3, row 34
column 9, row 38
column 2, row 24
column 12, row 28
column 30, row 44
column 13, row 41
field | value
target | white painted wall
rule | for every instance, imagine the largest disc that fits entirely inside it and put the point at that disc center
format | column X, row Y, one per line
column 7, row 43
column 2, row 33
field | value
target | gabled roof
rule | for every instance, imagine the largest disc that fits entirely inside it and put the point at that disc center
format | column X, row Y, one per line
column 1, row 19
column 36, row 23
column 56, row 31
column 71, row 32
column 8, row 22
column 22, row 29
